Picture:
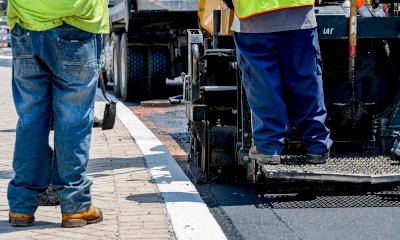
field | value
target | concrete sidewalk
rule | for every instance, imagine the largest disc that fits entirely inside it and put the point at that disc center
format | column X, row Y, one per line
column 122, row 185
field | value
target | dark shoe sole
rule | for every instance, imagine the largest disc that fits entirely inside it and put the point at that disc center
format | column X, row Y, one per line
column 73, row 223
column 317, row 159
column 21, row 222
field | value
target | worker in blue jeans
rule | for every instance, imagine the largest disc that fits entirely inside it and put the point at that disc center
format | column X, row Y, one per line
column 56, row 49
column 279, row 57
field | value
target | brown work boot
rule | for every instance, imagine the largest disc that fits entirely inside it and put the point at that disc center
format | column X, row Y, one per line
column 80, row 219
column 20, row 219
column 263, row 158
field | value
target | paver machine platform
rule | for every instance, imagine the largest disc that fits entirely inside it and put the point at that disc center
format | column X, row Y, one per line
column 219, row 116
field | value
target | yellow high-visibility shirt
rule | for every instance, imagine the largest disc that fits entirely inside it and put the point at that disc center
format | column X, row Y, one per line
column 248, row 8
column 41, row 15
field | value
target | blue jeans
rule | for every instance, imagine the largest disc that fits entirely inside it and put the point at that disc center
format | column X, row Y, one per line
column 53, row 71
column 282, row 77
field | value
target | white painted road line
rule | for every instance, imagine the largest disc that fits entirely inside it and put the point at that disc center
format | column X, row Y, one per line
column 189, row 215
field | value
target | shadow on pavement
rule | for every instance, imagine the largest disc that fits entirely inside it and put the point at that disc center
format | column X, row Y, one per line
column 97, row 166
column 222, row 195
column 8, row 130
column 167, row 197
column 5, row 62
column 373, row 200
column 145, row 198
column 6, row 174
column 5, row 226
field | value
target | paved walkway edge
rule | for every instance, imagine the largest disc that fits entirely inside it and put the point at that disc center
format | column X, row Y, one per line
column 189, row 215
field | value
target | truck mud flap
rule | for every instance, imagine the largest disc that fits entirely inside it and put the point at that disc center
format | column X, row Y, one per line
column 373, row 170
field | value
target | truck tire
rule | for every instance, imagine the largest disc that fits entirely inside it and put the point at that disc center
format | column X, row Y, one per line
column 102, row 67
column 133, row 78
column 107, row 55
column 116, row 56
column 157, row 72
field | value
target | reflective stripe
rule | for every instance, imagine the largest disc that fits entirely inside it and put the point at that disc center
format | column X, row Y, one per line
column 248, row 8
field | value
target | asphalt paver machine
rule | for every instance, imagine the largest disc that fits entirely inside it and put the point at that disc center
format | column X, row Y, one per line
column 219, row 116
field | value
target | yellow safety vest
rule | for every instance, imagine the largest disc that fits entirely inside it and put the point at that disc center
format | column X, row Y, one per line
column 248, row 8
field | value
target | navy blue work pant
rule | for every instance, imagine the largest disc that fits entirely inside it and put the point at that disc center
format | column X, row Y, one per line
column 282, row 77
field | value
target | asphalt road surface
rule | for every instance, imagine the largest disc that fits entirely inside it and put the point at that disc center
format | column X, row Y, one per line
column 245, row 213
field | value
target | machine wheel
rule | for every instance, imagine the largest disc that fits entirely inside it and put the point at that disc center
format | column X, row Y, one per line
column 132, row 71
column 157, row 72
column 116, row 56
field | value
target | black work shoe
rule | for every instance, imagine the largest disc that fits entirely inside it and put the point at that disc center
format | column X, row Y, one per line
column 396, row 154
column 396, row 150
column 317, row 159
column 263, row 158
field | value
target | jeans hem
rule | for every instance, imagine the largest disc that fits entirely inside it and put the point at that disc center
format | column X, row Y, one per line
column 22, row 212
column 83, row 207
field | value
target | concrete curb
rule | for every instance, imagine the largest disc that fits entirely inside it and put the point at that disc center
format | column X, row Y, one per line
column 189, row 215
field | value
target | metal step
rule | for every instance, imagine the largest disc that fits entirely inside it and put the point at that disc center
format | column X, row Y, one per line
column 341, row 168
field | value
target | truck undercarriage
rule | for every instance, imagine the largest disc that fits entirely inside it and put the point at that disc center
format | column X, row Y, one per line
column 147, row 45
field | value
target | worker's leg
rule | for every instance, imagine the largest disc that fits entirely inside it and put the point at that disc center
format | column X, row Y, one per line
column 32, row 97
column 76, row 69
column 261, row 75
column 302, row 73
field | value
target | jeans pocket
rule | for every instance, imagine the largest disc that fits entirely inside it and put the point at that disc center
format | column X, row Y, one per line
column 25, row 65
column 23, row 60
column 78, row 53
column 19, row 32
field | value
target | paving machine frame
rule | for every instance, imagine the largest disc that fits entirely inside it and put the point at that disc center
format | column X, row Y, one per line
column 220, row 119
